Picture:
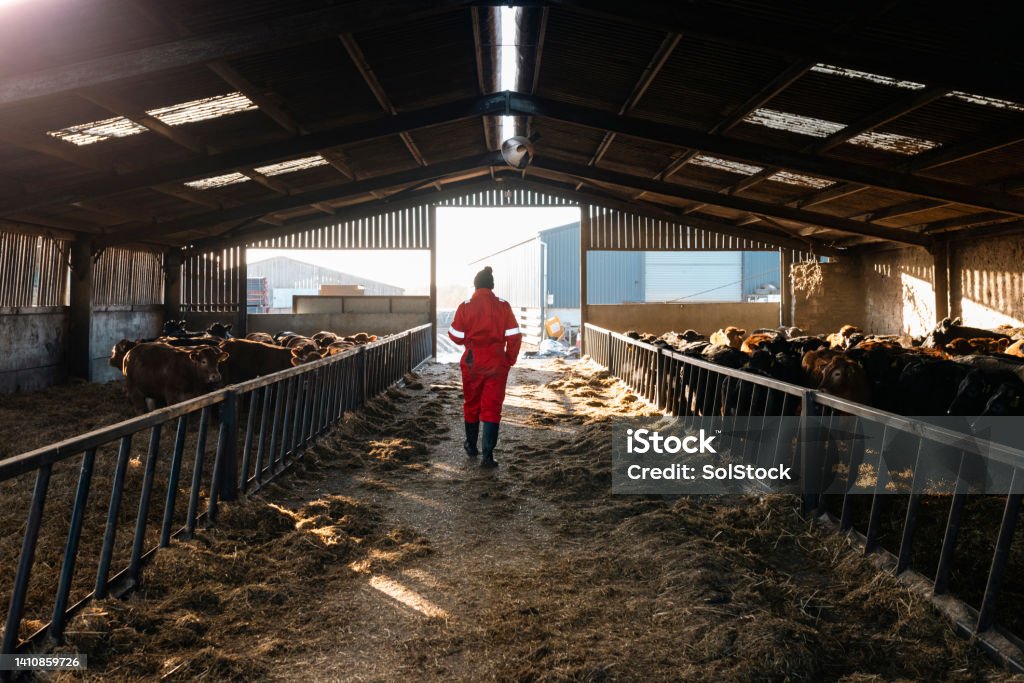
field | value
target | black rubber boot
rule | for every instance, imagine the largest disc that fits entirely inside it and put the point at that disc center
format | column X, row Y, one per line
column 472, row 432
column 490, row 441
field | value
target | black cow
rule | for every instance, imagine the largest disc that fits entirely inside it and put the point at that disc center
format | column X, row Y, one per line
column 928, row 387
column 220, row 330
column 951, row 328
column 979, row 386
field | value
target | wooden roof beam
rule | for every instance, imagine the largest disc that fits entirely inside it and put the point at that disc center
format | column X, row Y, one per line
column 363, row 66
column 651, row 71
column 730, row 201
column 300, row 199
column 733, row 26
column 138, row 115
column 782, row 81
column 765, row 154
column 895, row 110
column 256, row 155
column 283, row 32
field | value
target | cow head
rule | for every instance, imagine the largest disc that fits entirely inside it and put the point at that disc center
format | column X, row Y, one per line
column 971, row 395
column 305, row 354
column 206, row 361
column 840, row 371
column 219, row 330
column 119, row 351
column 173, row 328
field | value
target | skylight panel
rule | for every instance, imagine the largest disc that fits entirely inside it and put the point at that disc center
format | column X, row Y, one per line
column 725, row 165
column 97, row 131
column 204, row 109
column 866, row 76
column 174, row 115
column 987, row 101
column 893, row 142
column 217, row 181
column 793, row 123
column 292, row 165
column 820, row 128
column 801, row 180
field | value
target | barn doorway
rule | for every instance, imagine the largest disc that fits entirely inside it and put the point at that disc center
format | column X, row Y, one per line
column 505, row 238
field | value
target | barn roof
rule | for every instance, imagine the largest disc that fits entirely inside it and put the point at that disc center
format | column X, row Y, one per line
column 838, row 124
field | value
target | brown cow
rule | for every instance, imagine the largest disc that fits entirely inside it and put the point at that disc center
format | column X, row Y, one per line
column 159, row 372
column 756, row 341
column 845, row 378
column 841, row 339
column 249, row 359
column 813, row 365
column 338, row 347
column 1016, row 348
column 260, row 337
column 323, row 338
column 730, row 336
column 966, row 347
column 119, row 351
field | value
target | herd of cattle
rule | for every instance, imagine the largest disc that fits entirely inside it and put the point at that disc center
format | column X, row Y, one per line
column 954, row 370
column 181, row 364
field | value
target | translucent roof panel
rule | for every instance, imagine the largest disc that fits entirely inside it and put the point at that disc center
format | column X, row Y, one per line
column 97, row 131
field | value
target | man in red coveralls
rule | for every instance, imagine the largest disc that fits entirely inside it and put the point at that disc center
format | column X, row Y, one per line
column 486, row 326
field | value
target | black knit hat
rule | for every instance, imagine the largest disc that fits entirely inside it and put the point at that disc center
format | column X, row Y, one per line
column 484, row 279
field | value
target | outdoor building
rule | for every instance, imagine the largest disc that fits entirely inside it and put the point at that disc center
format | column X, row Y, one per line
column 543, row 273
column 286, row 277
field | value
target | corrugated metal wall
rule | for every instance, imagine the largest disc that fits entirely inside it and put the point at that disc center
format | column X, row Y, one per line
column 693, row 276
column 760, row 268
column 614, row 277
column 563, row 265
column 517, row 273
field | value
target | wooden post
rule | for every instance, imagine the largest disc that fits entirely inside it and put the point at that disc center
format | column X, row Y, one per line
column 584, row 250
column 785, row 287
column 172, row 284
column 940, row 257
column 242, row 294
column 956, row 283
column 80, row 338
column 432, row 233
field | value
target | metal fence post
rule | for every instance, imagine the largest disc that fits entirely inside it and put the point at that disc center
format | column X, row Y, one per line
column 364, row 374
column 225, row 470
column 808, row 443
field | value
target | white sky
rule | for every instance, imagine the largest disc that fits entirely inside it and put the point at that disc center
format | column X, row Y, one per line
column 463, row 235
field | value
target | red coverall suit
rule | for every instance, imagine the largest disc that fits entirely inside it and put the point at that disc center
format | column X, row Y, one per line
column 486, row 326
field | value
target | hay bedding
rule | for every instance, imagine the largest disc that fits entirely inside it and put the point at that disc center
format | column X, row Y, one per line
column 545, row 575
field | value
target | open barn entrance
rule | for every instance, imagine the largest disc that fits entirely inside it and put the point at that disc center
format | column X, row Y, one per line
column 509, row 240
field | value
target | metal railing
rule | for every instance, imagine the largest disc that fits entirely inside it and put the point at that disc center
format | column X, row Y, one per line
column 263, row 426
column 832, row 460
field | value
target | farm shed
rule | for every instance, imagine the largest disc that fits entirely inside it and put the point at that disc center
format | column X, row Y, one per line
column 890, row 155
column 146, row 146
column 543, row 274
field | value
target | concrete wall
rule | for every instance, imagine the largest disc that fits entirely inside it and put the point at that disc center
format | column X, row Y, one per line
column 899, row 293
column 987, row 281
column 34, row 344
column 346, row 315
column 661, row 318
column 986, row 284
column 827, row 296
column 110, row 324
column 361, row 304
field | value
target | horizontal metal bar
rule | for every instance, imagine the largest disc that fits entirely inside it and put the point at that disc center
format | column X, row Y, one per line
column 32, row 460
column 995, row 451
